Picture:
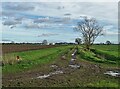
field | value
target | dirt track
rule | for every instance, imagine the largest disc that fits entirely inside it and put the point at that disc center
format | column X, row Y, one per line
column 83, row 76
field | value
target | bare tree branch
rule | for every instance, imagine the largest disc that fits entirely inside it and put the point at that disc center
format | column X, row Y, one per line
column 90, row 30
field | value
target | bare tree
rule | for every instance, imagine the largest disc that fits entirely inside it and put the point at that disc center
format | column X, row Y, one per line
column 90, row 30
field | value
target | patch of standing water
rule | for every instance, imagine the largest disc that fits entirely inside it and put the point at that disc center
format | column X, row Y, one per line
column 112, row 73
column 50, row 74
column 44, row 76
column 57, row 72
column 54, row 66
column 73, row 59
column 75, row 66
column 72, row 54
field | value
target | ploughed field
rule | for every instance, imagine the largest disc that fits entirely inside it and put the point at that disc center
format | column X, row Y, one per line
column 62, row 66
column 8, row 48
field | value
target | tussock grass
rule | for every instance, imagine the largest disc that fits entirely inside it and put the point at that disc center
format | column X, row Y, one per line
column 100, row 56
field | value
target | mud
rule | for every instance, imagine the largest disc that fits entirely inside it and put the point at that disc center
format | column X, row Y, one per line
column 59, row 73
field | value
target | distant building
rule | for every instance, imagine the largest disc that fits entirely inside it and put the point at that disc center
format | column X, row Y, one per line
column 51, row 43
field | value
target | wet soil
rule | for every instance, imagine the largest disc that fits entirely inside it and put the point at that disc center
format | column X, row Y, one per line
column 87, row 73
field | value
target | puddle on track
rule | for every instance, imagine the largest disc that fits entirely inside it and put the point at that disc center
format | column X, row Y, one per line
column 50, row 74
column 54, row 66
column 60, row 71
column 57, row 72
column 44, row 76
column 74, row 66
column 113, row 73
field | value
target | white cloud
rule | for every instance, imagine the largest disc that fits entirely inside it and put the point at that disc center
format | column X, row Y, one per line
column 108, row 27
column 61, row 1
column 112, row 33
column 59, row 15
column 105, row 11
column 110, row 30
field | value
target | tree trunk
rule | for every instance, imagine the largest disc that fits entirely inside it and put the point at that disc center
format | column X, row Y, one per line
column 87, row 46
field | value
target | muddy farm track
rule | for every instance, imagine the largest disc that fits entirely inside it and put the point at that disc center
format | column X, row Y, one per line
column 62, row 72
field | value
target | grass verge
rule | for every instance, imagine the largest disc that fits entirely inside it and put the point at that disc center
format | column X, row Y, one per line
column 31, row 59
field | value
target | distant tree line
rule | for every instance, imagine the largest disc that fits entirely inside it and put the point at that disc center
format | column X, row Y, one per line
column 78, row 41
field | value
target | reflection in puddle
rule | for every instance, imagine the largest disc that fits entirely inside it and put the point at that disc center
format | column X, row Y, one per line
column 112, row 73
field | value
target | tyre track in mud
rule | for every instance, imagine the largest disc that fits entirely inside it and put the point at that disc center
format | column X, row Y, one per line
column 9, row 79
column 87, row 73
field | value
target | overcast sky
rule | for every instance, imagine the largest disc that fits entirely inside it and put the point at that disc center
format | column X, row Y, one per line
column 54, row 21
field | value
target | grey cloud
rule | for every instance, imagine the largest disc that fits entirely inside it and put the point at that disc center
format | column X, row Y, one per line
column 40, row 20
column 11, row 22
column 60, row 7
column 18, row 6
column 11, row 16
column 19, row 19
column 67, row 14
column 51, row 20
column 31, row 26
column 8, row 13
column 36, row 26
column 6, row 40
column 47, row 34
column 62, row 20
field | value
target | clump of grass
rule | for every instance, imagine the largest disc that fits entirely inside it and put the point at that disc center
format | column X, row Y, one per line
column 104, row 83
column 92, row 56
column 87, row 55
column 106, row 54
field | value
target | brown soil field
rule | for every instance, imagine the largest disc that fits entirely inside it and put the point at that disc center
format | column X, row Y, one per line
column 8, row 48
